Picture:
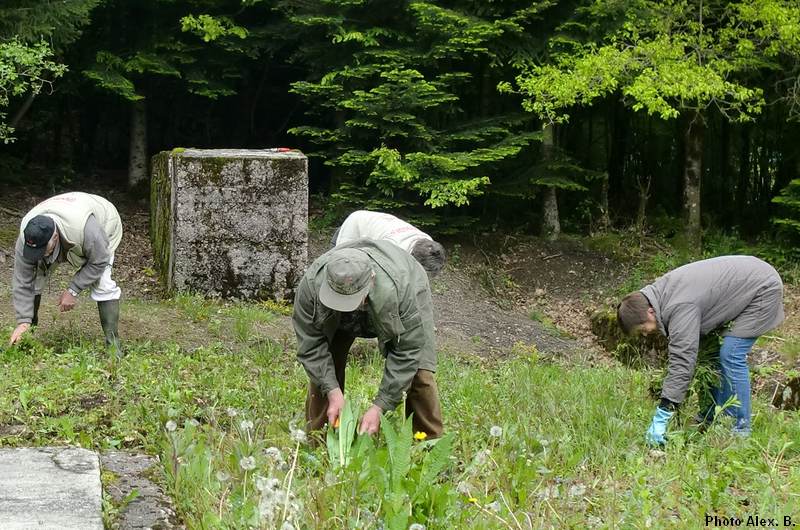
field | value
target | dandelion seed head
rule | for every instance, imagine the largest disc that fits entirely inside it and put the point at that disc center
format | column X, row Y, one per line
column 272, row 502
column 494, row 506
column 193, row 422
column 273, row 454
column 416, row 526
column 496, row 431
column 481, row 457
column 171, row 426
column 267, row 484
column 299, row 435
column 246, row 425
column 577, row 490
column 247, row 463
column 223, row 476
column 549, row 492
column 463, row 488
column 593, row 521
column 232, row 412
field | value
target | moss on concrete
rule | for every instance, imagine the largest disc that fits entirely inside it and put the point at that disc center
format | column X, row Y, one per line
column 212, row 170
column 161, row 214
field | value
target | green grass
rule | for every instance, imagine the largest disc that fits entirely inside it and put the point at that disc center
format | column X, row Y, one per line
column 570, row 455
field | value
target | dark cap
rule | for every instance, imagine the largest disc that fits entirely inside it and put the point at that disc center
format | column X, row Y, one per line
column 348, row 277
column 37, row 234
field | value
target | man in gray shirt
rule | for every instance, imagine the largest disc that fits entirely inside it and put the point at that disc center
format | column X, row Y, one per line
column 741, row 294
column 78, row 228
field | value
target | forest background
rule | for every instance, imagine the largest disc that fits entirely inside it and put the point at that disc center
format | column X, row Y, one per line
column 680, row 116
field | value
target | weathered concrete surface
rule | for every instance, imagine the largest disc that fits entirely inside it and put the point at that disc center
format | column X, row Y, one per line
column 230, row 223
column 52, row 488
column 150, row 508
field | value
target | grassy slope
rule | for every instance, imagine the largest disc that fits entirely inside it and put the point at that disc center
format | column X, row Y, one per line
column 571, row 453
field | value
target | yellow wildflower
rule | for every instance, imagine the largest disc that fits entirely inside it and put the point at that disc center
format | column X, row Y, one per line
column 420, row 435
column 472, row 500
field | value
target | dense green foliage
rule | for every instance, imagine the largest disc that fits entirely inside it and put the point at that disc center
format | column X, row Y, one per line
column 435, row 108
column 24, row 69
column 404, row 98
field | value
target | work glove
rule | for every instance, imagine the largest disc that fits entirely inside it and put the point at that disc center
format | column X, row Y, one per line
column 658, row 428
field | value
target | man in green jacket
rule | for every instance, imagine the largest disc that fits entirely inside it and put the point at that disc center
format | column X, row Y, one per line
column 368, row 288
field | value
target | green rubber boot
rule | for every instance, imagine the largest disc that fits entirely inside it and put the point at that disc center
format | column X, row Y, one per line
column 109, row 319
column 37, row 300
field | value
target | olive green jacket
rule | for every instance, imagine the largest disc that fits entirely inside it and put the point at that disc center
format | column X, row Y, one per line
column 400, row 310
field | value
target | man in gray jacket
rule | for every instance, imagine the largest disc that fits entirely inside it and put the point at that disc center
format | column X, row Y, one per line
column 78, row 228
column 741, row 294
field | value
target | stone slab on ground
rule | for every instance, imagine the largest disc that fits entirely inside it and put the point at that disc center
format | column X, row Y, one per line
column 230, row 222
column 50, row 488
column 149, row 507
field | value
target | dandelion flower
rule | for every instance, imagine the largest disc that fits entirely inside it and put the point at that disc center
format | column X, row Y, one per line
column 246, row 425
column 299, row 435
column 472, row 500
column 232, row 412
column 171, row 426
column 420, row 435
column 496, row 431
column 247, row 463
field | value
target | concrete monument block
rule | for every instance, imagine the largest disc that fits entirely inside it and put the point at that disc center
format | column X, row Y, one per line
column 230, row 222
column 50, row 488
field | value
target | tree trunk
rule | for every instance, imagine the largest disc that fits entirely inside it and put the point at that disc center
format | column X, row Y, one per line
column 743, row 185
column 605, row 219
column 644, row 195
column 23, row 110
column 551, row 227
column 692, row 176
column 727, row 186
column 617, row 138
column 137, row 154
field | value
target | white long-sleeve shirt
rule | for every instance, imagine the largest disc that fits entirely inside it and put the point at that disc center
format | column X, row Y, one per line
column 381, row 226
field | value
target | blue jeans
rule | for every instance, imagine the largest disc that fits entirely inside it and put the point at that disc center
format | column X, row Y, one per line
column 734, row 381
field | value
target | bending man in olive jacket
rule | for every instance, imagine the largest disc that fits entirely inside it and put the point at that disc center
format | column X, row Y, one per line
column 368, row 288
column 740, row 293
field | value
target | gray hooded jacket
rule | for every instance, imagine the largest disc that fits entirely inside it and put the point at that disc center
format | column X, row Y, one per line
column 742, row 293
